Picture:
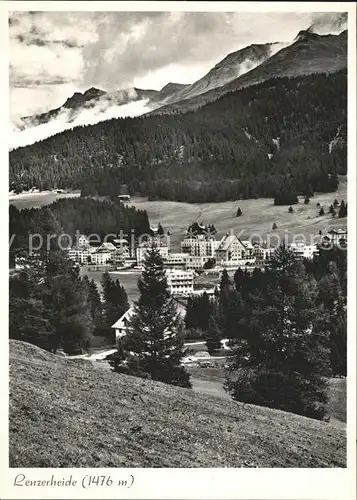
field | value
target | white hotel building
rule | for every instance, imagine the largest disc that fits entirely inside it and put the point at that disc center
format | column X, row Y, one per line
column 144, row 248
column 176, row 260
column 199, row 250
column 199, row 246
column 304, row 251
column 180, row 283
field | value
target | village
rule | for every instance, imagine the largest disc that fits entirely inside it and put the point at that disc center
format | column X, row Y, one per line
column 202, row 255
column 194, row 271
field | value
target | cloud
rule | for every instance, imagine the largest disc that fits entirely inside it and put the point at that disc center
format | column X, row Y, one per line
column 329, row 22
column 64, row 121
column 52, row 53
column 146, row 44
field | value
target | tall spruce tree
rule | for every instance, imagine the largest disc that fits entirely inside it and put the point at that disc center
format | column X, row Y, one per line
column 228, row 307
column 95, row 304
column 66, row 298
column 331, row 296
column 160, row 230
column 281, row 355
column 343, row 210
column 198, row 312
column 49, row 303
column 153, row 344
column 213, row 336
column 115, row 303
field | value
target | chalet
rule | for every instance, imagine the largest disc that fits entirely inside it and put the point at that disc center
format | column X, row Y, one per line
column 82, row 241
column 120, row 326
column 336, row 237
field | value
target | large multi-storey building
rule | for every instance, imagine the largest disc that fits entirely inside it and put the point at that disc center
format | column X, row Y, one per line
column 143, row 248
column 249, row 249
column 303, row 251
column 261, row 254
column 176, row 260
column 194, row 262
column 231, row 249
column 200, row 245
column 84, row 253
column 180, row 282
column 79, row 254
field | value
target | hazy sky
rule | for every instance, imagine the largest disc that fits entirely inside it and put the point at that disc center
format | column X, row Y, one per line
column 53, row 54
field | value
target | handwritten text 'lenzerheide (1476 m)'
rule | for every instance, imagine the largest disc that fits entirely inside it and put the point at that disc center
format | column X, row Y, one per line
column 85, row 482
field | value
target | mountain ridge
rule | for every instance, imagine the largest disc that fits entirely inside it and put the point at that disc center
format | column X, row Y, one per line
column 90, row 98
column 309, row 53
column 223, row 72
column 226, row 70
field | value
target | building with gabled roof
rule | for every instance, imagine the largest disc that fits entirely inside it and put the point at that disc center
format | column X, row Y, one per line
column 231, row 248
column 121, row 325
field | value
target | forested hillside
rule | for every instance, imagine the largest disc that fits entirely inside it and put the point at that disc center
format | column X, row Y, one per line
column 284, row 134
column 67, row 216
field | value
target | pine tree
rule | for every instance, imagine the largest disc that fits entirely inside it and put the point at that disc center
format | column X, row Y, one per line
column 343, row 210
column 209, row 264
column 54, row 300
column 331, row 296
column 281, row 355
column 307, row 200
column 198, row 312
column 153, row 344
column 66, row 298
column 229, row 307
column 28, row 322
column 160, row 230
column 274, row 226
column 214, row 335
column 322, row 212
column 225, row 288
column 239, row 212
column 291, row 210
column 95, row 305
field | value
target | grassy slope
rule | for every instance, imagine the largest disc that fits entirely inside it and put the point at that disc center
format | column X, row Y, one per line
column 337, row 399
column 211, row 379
column 258, row 216
column 66, row 413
